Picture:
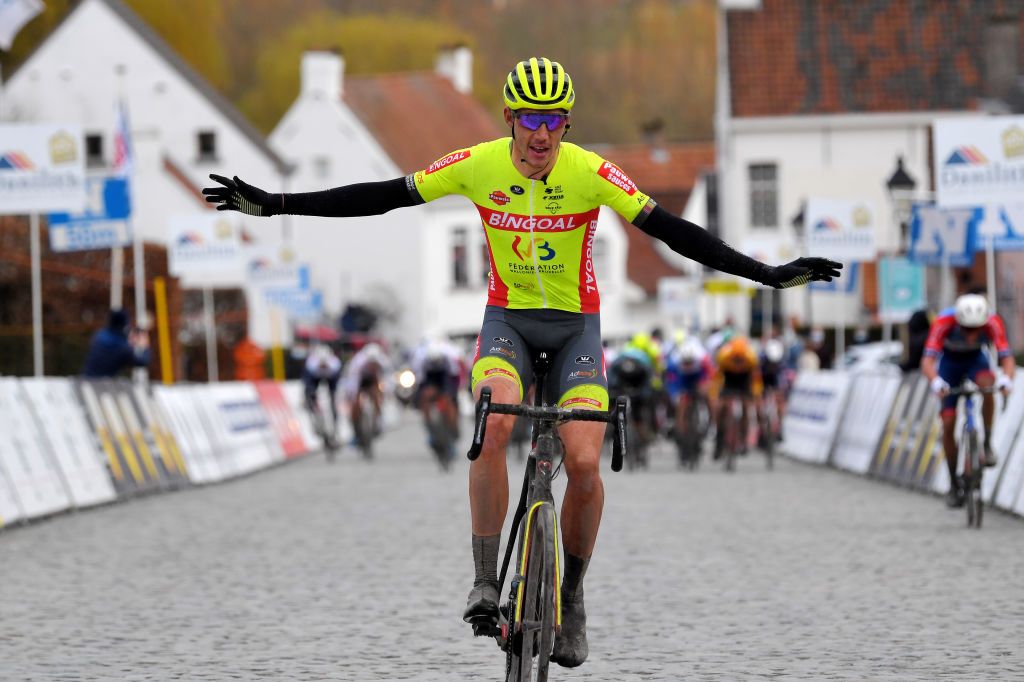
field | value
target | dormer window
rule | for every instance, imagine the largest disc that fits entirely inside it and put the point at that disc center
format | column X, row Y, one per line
column 207, row 146
column 94, row 151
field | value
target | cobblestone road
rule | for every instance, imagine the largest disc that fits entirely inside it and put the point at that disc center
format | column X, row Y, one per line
column 358, row 571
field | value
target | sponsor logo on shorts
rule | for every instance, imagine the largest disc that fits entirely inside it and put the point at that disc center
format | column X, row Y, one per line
column 582, row 374
column 585, row 360
column 502, row 339
column 499, row 371
column 503, row 351
column 580, row 400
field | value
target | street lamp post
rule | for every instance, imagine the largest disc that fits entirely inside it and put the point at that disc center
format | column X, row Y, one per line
column 798, row 229
column 900, row 187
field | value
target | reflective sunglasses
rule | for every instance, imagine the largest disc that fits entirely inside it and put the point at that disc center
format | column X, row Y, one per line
column 533, row 121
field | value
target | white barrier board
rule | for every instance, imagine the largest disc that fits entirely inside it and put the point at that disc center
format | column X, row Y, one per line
column 1004, row 434
column 812, row 414
column 61, row 419
column 31, row 472
column 295, row 396
column 9, row 512
column 183, row 413
column 866, row 414
column 241, row 428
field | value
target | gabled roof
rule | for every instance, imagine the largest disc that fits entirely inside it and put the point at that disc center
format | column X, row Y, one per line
column 184, row 70
column 666, row 172
column 418, row 117
column 831, row 56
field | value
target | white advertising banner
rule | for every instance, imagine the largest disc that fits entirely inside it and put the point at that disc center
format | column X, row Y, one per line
column 61, row 418
column 205, row 250
column 184, row 413
column 273, row 266
column 1004, row 434
column 242, row 432
column 867, row 411
column 842, row 229
column 31, row 472
column 812, row 414
column 42, row 168
column 978, row 160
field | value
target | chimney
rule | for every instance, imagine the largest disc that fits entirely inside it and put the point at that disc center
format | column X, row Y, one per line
column 322, row 74
column 456, row 64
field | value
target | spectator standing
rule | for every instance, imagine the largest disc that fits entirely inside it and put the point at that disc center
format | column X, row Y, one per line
column 116, row 347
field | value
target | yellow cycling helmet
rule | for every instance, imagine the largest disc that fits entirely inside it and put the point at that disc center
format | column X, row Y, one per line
column 539, row 83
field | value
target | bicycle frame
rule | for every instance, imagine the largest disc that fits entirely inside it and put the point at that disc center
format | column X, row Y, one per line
column 536, row 501
column 968, row 445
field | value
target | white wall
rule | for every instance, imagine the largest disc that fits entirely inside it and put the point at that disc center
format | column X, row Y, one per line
column 842, row 156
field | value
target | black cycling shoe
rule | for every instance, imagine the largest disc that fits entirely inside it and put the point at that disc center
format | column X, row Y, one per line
column 482, row 604
column 956, row 497
column 571, row 647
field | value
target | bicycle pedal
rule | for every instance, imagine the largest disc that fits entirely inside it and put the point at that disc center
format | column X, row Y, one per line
column 486, row 627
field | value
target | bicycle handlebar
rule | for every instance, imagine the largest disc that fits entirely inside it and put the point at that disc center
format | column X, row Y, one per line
column 484, row 408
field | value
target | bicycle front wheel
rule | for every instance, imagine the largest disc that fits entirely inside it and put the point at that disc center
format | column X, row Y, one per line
column 537, row 606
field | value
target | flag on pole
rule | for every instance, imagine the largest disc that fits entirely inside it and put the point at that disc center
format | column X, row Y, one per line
column 14, row 14
column 123, row 161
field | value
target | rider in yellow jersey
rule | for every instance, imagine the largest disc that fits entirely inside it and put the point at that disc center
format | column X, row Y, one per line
column 538, row 199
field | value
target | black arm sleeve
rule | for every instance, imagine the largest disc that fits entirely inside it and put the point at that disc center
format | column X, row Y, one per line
column 366, row 198
column 695, row 242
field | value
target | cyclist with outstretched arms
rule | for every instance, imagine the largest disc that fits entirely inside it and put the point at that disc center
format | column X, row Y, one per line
column 538, row 198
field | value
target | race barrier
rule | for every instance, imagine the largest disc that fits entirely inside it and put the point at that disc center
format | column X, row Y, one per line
column 75, row 443
column 886, row 425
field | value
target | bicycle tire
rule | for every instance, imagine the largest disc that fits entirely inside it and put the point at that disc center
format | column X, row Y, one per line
column 968, row 448
column 535, row 623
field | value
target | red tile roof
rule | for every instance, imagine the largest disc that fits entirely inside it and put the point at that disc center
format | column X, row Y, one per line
column 830, row 56
column 667, row 173
column 418, row 117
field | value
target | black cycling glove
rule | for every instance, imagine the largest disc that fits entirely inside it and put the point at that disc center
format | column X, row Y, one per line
column 236, row 195
column 801, row 271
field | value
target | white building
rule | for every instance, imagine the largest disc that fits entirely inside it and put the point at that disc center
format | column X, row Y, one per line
column 181, row 128
column 806, row 111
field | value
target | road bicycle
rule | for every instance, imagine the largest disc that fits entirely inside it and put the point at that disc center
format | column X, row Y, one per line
column 441, row 434
column 969, row 452
column 531, row 616
column 326, row 432
column 731, row 429
column 689, row 429
column 365, row 422
column 771, row 424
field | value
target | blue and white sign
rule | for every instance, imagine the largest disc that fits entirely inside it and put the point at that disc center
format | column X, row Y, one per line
column 840, row 228
column 102, row 225
column 939, row 235
column 1005, row 225
column 298, row 304
column 900, row 289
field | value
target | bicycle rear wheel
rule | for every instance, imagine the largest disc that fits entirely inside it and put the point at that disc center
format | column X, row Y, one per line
column 534, row 625
column 972, row 492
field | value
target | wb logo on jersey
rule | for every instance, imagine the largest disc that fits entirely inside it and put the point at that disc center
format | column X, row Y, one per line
column 523, row 248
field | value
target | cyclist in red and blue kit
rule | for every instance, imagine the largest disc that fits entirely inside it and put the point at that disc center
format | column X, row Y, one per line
column 955, row 351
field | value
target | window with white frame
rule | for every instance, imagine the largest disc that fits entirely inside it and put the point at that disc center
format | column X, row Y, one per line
column 460, row 258
column 599, row 254
column 485, row 262
column 764, row 195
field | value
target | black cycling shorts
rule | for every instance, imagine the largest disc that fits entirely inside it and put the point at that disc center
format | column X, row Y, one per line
column 510, row 339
